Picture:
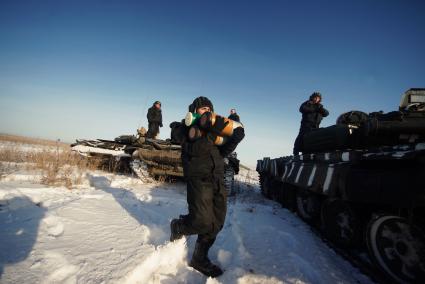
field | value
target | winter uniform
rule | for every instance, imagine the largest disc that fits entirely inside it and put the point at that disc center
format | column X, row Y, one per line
column 155, row 120
column 203, row 168
column 312, row 115
column 234, row 117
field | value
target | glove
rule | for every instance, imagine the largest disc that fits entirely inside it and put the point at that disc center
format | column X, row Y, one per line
column 238, row 134
column 235, row 139
column 322, row 110
column 217, row 128
column 219, row 125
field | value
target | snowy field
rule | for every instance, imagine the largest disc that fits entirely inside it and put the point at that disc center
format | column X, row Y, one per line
column 115, row 229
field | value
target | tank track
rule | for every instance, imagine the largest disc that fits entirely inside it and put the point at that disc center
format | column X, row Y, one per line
column 362, row 262
column 357, row 256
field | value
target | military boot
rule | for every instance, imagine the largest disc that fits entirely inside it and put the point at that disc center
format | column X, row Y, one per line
column 175, row 227
column 201, row 262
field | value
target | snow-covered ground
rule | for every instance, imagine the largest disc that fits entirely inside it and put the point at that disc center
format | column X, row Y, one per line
column 115, row 229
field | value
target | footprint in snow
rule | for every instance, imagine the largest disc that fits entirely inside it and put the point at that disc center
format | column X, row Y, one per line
column 55, row 228
column 59, row 269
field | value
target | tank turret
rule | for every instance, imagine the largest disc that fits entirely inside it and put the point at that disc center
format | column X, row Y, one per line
column 356, row 130
column 361, row 182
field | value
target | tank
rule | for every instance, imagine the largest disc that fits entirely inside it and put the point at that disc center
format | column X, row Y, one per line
column 361, row 183
column 145, row 157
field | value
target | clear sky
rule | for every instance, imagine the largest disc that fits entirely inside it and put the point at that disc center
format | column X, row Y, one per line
column 90, row 69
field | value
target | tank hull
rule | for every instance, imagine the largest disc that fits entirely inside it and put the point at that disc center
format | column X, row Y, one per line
column 144, row 157
column 352, row 188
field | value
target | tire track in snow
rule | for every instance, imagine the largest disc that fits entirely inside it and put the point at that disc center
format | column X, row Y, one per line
column 236, row 230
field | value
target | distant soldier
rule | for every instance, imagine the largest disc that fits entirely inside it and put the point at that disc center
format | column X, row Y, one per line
column 231, row 162
column 313, row 112
column 154, row 119
column 233, row 115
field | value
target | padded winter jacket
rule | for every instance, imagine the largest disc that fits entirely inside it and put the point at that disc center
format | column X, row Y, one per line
column 312, row 115
column 201, row 158
column 234, row 117
column 154, row 115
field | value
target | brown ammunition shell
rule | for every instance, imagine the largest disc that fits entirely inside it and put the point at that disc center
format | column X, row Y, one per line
column 208, row 119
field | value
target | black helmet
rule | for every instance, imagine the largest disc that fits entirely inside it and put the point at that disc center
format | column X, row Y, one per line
column 200, row 102
column 316, row 94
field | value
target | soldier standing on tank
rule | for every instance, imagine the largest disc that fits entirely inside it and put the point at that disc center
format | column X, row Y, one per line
column 154, row 120
column 312, row 114
column 203, row 168
column 233, row 115
column 231, row 161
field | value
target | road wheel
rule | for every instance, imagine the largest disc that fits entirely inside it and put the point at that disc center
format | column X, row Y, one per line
column 340, row 223
column 308, row 205
column 289, row 197
column 229, row 180
column 398, row 248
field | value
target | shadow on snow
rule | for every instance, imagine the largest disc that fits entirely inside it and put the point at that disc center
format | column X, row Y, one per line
column 19, row 222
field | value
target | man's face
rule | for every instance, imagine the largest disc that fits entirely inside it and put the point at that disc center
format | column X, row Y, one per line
column 316, row 100
column 158, row 106
column 232, row 111
column 202, row 110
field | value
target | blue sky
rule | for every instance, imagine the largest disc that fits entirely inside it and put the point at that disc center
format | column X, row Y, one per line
column 90, row 69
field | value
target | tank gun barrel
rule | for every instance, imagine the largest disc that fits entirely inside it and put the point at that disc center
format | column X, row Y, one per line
column 376, row 127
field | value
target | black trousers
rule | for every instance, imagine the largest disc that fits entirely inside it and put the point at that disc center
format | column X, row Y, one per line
column 153, row 130
column 299, row 141
column 207, row 202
